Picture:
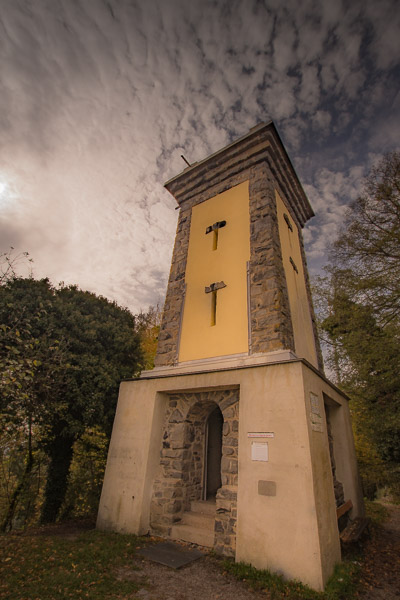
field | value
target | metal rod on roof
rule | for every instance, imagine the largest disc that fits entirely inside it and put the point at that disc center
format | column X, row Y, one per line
column 186, row 161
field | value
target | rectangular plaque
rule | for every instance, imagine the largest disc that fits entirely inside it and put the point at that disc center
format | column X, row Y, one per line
column 259, row 451
column 316, row 422
column 267, row 488
column 260, row 434
column 315, row 414
column 314, row 401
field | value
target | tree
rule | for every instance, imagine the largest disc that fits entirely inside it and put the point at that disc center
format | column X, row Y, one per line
column 360, row 300
column 86, row 474
column 9, row 262
column 81, row 346
column 148, row 328
column 19, row 376
column 366, row 255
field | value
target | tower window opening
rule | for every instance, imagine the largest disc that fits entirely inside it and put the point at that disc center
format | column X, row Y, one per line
column 293, row 265
column 288, row 223
column 213, row 308
column 215, row 239
column 214, row 229
column 213, row 289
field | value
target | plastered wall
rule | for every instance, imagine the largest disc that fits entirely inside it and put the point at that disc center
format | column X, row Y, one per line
column 209, row 263
column 286, row 519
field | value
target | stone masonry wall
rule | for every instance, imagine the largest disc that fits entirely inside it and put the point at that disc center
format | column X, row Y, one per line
column 271, row 325
column 181, row 473
column 169, row 331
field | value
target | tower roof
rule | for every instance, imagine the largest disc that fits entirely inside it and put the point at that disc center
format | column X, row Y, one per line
column 261, row 144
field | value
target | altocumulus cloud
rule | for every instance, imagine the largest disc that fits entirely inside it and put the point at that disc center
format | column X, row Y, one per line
column 100, row 98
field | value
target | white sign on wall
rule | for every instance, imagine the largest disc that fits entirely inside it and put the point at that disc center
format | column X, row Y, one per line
column 259, row 451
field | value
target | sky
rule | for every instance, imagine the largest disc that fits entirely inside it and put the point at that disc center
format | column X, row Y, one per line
column 99, row 99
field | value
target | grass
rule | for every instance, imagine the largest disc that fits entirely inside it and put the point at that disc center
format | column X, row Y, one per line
column 344, row 582
column 51, row 567
column 341, row 586
column 260, row 579
column 99, row 566
column 377, row 512
column 48, row 568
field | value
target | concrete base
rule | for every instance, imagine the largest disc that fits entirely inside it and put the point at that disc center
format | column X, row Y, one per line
column 286, row 513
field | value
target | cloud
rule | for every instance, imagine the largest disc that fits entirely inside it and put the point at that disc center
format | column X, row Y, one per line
column 330, row 195
column 98, row 100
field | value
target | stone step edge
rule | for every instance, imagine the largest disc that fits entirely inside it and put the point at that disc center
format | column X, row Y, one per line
column 197, row 519
column 195, row 535
column 203, row 507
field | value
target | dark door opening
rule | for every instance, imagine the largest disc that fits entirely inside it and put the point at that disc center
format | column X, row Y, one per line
column 213, row 454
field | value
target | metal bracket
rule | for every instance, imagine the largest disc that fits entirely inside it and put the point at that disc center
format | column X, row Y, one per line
column 213, row 287
column 217, row 225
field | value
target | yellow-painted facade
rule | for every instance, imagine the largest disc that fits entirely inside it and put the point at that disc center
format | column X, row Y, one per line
column 216, row 323
column 295, row 279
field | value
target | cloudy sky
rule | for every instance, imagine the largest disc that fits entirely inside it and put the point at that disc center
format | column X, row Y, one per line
column 99, row 98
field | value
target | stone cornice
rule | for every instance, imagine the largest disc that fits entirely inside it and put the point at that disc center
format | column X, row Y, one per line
column 261, row 144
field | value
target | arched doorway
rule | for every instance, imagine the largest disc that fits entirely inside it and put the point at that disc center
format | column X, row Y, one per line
column 213, row 454
column 200, row 428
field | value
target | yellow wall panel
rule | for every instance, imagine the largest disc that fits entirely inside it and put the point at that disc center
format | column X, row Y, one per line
column 298, row 300
column 205, row 265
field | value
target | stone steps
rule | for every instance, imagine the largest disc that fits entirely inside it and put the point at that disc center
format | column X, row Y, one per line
column 197, row 519
column 204, row 507
column 197, row 525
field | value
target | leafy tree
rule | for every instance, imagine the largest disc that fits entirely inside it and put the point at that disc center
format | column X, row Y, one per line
column 359, row 318
column 148, row 328
column 86, row 474
column 21, row 386
column 76, row 349
column 369, row 365
column 366, row 255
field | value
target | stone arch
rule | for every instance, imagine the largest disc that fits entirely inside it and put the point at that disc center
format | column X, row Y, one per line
column 181, row 471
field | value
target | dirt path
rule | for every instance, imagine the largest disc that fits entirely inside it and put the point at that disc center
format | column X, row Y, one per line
column 380, row 577
column 200, row 580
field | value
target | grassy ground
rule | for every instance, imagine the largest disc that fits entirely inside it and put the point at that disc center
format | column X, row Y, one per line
column 47, row 567
column 342, row 585
column 60, row 563
column 376, row 512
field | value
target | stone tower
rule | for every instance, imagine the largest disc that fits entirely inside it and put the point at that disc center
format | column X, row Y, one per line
column 236, row 440
column 241, row 214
